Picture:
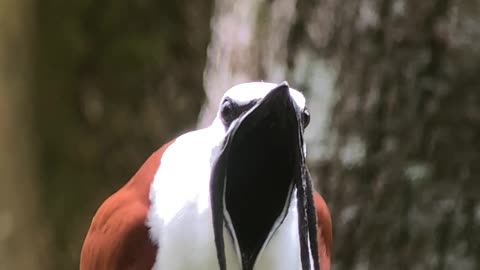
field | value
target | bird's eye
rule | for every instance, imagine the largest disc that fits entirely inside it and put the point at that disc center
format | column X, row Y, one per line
column 305, row 118
column 228, row 111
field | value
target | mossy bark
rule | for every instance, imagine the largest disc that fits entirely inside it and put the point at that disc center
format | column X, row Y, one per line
column 394, row 142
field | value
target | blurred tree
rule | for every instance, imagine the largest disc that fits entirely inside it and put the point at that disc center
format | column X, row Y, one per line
column 115, row 80
column 395, row 133
column 21, row 233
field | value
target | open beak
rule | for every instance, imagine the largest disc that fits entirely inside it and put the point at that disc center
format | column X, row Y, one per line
column 261, row 161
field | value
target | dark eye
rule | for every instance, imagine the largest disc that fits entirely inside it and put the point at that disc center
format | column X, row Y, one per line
column 228, row 111
column 305, row 118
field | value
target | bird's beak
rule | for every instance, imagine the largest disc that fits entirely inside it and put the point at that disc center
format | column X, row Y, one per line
column 263, row 149
column 254, row 175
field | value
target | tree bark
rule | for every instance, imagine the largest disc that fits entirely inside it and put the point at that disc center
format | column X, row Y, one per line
column 394, row 143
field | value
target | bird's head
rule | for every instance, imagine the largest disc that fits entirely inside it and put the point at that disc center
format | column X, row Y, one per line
column 260, row 162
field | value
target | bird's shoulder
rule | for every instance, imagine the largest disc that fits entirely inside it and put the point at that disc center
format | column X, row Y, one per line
column 118, row 237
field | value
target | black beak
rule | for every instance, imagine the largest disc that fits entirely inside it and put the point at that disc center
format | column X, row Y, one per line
column 275, row 113
column 261, row 162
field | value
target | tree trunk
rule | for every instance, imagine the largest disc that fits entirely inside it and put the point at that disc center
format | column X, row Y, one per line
column 22, row 235
column 394, row 143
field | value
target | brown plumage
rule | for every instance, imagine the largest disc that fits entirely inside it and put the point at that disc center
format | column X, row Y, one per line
column 118, row 238
column 324, row 231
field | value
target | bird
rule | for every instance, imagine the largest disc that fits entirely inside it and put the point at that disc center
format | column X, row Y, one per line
column 236, row 195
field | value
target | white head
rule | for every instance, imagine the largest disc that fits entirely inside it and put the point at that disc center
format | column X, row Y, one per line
column 245, row 95
column 260, row 163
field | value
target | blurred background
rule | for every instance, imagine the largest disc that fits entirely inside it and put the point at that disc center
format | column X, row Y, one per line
column 89, row 89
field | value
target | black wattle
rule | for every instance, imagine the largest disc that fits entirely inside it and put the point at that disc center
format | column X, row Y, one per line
column 217, row 186
column 307, row 224
column 312, row 219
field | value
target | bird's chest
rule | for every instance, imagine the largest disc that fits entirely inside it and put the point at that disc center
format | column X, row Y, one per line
column 186, row 241
column 180, row 219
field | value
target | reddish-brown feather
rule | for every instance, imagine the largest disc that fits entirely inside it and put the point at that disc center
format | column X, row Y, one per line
column 325, row 237
column 118, row 237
